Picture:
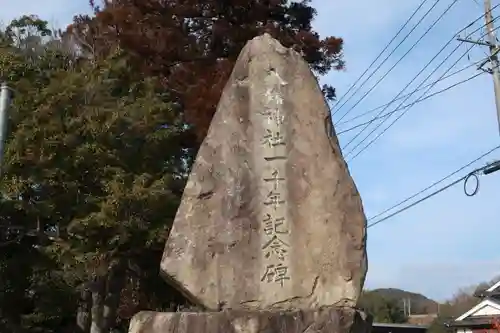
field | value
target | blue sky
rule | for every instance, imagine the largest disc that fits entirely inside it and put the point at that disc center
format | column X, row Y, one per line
column 449, row 241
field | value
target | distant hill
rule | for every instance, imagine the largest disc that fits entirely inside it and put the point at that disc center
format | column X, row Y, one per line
column 419, row 303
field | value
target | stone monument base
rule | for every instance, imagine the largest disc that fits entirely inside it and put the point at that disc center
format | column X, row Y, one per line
column 325, row 320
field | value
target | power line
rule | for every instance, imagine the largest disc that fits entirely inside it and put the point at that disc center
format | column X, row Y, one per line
column 394, row 121
column 414, row 102
column 414, row 78
column 404, row 55
column 401, row 97
column 404, row 112
column 400, row 59
column 436, row 183
column 380, row 54
column 492, row 166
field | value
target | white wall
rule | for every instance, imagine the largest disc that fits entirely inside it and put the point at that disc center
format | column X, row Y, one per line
column 486, row 311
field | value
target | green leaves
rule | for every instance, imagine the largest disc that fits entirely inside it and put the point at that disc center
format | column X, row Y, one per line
column 95, row 153
column 383, row 310
column 103, row 129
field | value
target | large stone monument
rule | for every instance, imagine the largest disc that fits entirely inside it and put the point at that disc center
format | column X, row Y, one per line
column 270, row 235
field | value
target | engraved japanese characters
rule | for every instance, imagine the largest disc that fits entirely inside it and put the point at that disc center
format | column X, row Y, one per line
column 270, row 217
column 275, row 238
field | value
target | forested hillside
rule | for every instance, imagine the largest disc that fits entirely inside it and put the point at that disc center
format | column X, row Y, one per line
column 387, row 304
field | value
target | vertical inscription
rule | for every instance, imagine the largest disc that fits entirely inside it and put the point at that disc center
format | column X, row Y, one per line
column 275, row 238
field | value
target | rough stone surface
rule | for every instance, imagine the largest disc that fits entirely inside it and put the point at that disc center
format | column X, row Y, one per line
column 270, row 217
column 327, row 320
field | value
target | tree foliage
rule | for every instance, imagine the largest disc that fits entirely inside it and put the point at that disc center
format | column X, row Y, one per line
column 382, row 308
column 94, row 171
column 107, row 117
column 193, row 45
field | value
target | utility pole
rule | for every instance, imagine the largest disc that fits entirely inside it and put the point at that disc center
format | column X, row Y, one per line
column 493, row 54
column 5, row 98
column 407, row 307
column 493, row 58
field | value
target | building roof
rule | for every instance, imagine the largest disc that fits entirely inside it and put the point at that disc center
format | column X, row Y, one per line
column 422, row 319
column 424, row 327
column 494, row 287
column 482, row 305
column 474, row 321
column 484, row 294
column 481, row 315
column 493, row 291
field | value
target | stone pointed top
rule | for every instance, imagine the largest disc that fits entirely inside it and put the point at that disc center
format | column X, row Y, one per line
column 266, row 41
column 270, row 217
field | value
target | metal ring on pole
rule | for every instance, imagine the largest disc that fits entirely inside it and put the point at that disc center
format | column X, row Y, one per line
column 476, row 189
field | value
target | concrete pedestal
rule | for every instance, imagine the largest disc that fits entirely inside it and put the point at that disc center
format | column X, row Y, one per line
column 325, row 320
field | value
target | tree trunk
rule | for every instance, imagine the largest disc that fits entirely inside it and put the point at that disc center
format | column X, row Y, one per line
column 116, row 283
column 83, row 317
column 98, row 289
column 100, row 299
